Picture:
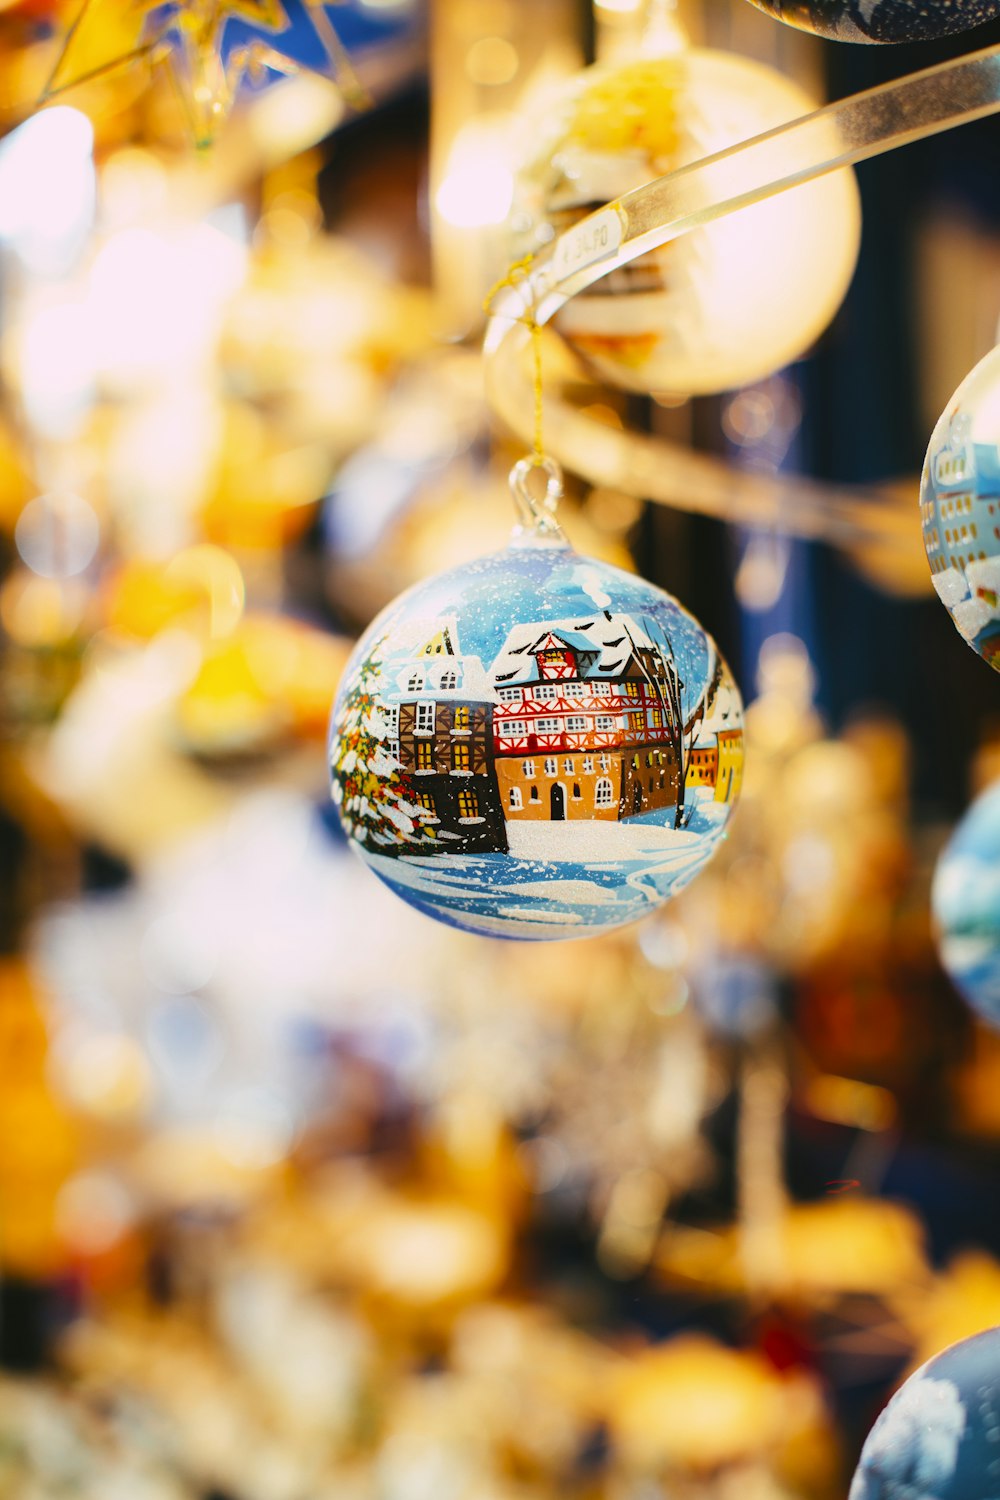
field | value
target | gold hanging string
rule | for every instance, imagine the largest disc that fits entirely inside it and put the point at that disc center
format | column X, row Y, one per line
column 518, row 276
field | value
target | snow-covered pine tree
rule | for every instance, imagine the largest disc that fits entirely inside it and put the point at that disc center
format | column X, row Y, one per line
column 369, row 786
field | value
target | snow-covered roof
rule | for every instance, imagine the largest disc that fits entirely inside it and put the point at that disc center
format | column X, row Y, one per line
column 604, row 644
column 472, row 681
column 984, row 573
column 411, row 658
column 724, row 713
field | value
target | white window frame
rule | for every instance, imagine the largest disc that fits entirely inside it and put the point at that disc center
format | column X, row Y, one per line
column 588, row 764
column 424, row 721
column 551, row 765
column 515, row 799
column 415, row 682
column 449, row 680
column 547, row 726
column 576, row 724
column 605, row 722
column 604, row 792
column 528, row 768
column 513, row 729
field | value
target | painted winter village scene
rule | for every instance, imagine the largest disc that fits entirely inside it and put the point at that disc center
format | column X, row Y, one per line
column 960, row 509
column 536, row 746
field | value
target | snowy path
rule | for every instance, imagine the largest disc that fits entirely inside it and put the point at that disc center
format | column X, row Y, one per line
column 584, row 842
column 564, row 880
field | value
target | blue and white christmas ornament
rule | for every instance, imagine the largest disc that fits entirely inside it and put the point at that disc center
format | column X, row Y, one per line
column 939, row 1437
column 536, row 745
column 960, row 508
column 965, row 898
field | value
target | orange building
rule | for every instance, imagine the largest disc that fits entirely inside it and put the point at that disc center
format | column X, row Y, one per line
column 582, row 724
column 703, row 764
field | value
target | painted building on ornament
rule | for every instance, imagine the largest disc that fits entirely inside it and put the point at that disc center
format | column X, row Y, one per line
column 960, row 514
column 703, row 763
column 438, row 706
column 583, row 725
column 715, row 760
column 730, row 774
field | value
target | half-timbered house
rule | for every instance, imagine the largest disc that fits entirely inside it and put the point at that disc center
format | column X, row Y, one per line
column 438, row 704
column 583, row 725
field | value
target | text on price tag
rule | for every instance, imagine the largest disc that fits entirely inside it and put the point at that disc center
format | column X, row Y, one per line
column 597, row 237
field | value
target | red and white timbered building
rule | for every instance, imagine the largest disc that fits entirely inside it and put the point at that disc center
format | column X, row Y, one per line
column 582, row 723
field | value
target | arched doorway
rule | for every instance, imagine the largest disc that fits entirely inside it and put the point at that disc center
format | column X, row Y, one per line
column 557, row 801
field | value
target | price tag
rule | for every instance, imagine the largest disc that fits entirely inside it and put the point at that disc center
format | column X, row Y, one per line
column 591, row 241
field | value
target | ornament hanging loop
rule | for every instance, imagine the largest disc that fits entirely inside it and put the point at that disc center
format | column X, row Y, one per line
column 536, row 512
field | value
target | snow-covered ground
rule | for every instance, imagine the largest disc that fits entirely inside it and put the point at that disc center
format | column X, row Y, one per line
column 559, row 880
column 582, row 840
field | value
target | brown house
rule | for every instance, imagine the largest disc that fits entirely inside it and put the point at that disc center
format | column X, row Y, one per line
column 440, row 714
column 651, row 778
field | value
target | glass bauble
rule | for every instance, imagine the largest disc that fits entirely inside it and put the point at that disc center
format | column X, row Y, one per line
column 966, row 901
column 722, row 306
column 882, row 20
column 960, row 508
column 937, row 1438
column 536, row 745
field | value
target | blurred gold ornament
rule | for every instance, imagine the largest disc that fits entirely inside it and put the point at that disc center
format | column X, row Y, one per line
column 102, row 1074
column 679, row 319
column 693, row 1404
column 23, row 1033
column 111, row 764
column 544, row 1383
column 837, row 1246
column 977, row 1086
column 200, row 588
column 409, row 1250
column 186, row 1167
column 271, row 678
column 315, row 334
column 188, row 37
column 964, row 1300
column 424, row 1253
column 264, row 492
column 42, row 613
column 16, row 488
column 39, row 1140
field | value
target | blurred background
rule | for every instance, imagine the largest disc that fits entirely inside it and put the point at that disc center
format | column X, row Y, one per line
column 302, row 1195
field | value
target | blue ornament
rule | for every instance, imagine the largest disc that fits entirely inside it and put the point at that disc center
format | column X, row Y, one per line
column 965, row 898
column 960, row 508
column 536, row 745
column 939, row 1437
column 882, row 20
